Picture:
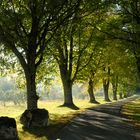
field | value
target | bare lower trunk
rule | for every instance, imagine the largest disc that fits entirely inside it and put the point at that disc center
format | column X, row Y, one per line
column 32, row 97
column 68, row 100
column 30, row 74
column 106, row 96
column 115, row 86
column 137, row 61
column 114, row 95
column 106, row 87
column 114, row 92
column 106, row 82
column 138, row 66
column 91, row 92
column 120, row 96
column 67, row 88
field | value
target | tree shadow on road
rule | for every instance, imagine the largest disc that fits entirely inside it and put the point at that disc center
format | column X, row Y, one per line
column 95, row 126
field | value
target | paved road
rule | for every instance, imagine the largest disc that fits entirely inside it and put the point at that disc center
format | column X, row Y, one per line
column 100, row 123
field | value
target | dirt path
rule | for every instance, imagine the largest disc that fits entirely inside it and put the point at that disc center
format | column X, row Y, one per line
column 100, row 123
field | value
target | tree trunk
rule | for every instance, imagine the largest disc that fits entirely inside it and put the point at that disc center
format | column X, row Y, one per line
column 91, row 92
column 138, row 65
column 30, row 74
column 68, row 99
column 121, row 97
column 32, row 97
column 115, row 86
column 106, row 87
column 67, row 88
column 114, row 93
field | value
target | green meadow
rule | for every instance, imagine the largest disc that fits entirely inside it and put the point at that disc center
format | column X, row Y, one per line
column 58, row 117
column 132, row 111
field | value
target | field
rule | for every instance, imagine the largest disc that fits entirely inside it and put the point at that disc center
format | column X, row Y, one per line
column 59, row 116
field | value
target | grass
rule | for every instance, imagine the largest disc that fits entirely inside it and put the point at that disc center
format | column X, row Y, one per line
column 132, row 111
column 59, row 117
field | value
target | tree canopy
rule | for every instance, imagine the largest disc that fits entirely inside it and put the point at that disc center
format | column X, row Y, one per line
column 77, row 40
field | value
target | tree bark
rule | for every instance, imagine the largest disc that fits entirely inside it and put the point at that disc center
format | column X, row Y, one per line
column 91, row 92
column 32, row 97
column 138, row 65
column 114, row 93
column 68, row 99
column 30, row 75
column 120, row 96
column 106, row 82
column 67, row 88
column 115, row 86
column 106, row 87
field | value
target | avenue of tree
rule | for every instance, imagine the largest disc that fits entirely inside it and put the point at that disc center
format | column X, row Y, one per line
column 86, row 41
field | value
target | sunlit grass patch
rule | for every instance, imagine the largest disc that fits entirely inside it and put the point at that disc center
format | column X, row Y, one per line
column 54, row 106
column 59, row 117
column 11, row 110
column 132, row 111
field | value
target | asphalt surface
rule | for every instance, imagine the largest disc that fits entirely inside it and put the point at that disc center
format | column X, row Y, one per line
column 99, row 123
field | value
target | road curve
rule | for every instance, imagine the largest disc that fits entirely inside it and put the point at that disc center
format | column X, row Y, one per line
column 99, row 123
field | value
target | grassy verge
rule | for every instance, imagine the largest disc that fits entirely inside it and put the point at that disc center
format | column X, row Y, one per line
column 59, row 117
column 132, row 111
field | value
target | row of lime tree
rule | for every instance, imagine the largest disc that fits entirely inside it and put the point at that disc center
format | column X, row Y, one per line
column 82, row 41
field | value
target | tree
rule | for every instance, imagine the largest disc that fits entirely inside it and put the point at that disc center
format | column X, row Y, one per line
column 123, row 23
column 72, row 43
column 26, row 27
column 90, row 71
column 122, row 65
column 70, row 52
column 106, row 82
column 131, row 22
column 114, row 86
column 91, row 88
